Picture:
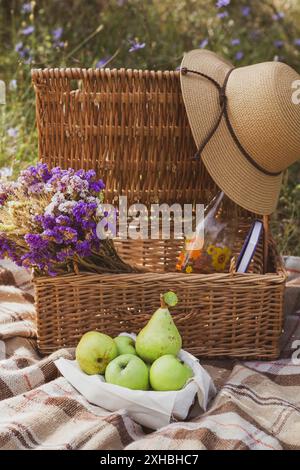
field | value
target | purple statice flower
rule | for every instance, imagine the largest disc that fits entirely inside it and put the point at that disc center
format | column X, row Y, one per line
column 297, row 42
column 203, row 43
column 89, row 175
column 95, row 185
column 67, row 225
column 8, row 249
column 223, row 14
column 83, row 248
column 239, row 55
column 278, row 43
column 39, row 258
column 27, row 30
column 26, row 8
column 69, row 234
column 62, row 220
column 102, row 62
column 222, row 3
column 53, row 235
column 33, row 176
column 46, row 221
column 64, row 254
column 43, row 172
column 3, row 195
column 135, row 45
column 36, row 241
column 7, row 188
column 12, row 132
column 246, row 10
column 235, row 42
column 37, row 188
column 83, row 210
column 278, row 16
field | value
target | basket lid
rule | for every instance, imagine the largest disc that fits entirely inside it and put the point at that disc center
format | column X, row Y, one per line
column 130, row 126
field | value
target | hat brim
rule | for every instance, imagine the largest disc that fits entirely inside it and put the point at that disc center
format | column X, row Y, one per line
column 232, row 172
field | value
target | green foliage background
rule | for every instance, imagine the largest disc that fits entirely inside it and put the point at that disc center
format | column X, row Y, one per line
column 99, row 30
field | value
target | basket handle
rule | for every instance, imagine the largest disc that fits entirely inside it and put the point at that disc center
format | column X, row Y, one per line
column 266, row 242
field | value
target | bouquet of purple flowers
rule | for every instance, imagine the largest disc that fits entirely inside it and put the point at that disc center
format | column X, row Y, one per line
column 48, row 222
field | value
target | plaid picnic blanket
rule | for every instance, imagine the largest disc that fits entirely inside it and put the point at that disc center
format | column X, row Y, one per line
column 257, row 405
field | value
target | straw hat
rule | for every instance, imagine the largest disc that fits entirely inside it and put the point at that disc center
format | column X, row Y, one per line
column 244, row 123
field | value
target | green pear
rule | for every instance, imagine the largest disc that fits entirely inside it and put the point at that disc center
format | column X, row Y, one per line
column 94, row 351
column 125, row 345
column 160, row 336
column 129, row 371
column 169, row 373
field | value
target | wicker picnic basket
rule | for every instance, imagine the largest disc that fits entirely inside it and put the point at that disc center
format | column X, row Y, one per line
column 131, row 127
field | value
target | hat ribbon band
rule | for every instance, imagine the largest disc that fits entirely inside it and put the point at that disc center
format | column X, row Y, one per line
column 224, row 112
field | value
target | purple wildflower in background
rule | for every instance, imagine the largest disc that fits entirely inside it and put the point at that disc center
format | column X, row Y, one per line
column 278, row 16
column 223, row 14
column 245, row 11
column 297, row 42
column 203, row 43
column 135, row 45
column 19, row 47
column 12, row 132
column 26, row 8
column 235, row 42
column 13, row 85
column 278, row 43
column 222, row 3
column 254, row 35
column 102, row 62
column 57, row 33
column 27, row 31
column 239, row 55
column 23, row 52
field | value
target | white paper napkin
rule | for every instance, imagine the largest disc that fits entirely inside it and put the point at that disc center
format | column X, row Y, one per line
column 149, row 408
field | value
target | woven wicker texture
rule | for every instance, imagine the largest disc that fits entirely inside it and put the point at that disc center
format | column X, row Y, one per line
column 218, row 315
column 131, row 127
column 128, row 125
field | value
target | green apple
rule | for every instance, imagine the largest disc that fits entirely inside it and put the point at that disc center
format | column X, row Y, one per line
column 94, row 351
column 128, row 371
column 125, row 345
column 169, row 373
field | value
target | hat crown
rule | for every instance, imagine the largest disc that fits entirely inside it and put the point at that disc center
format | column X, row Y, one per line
column 264, row 113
